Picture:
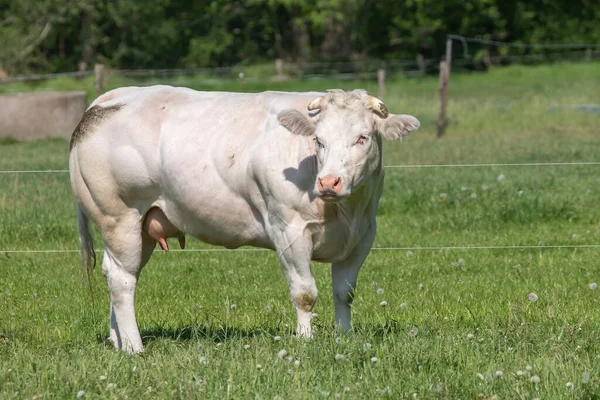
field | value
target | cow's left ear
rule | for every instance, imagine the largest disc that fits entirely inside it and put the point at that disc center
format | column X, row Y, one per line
column 396, row 127
column 296, row 122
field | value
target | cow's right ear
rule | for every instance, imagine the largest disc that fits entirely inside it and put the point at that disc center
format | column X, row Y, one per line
column 296, row 122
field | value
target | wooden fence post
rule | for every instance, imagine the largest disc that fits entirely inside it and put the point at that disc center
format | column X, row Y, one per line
column 381, row 83
column 445, row 67
column 99, row 72
column 421, row 63
column 588, row 54
column 279, row 69
column 443, row 88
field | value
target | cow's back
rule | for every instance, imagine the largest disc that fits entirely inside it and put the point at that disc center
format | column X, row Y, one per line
column 216, row 163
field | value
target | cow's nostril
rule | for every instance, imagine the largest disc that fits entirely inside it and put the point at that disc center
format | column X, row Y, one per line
column 320, row 184
column 337, row 183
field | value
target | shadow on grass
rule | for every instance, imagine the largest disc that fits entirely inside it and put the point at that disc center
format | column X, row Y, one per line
column 192, row 333
column 215, row 333
column 220, row 333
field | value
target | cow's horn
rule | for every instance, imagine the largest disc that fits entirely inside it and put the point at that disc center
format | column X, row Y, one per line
column 315, row 104
column 378, row 107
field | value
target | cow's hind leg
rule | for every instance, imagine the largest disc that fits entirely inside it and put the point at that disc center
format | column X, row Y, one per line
column 126, row 251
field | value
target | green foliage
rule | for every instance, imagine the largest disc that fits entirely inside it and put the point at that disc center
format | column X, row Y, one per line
column 56, row 35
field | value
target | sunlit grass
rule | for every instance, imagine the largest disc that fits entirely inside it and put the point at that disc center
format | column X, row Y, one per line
column 456, row 323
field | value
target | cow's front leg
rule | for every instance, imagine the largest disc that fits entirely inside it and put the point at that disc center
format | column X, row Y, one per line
column 295, row 252
column 344, row 275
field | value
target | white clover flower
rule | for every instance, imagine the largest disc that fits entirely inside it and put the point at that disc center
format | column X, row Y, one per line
column 230, row 272
column 282, row 353
column 102, row 377
column 346, row 389
column 484, row 187
column 380, row 291
column 246, row 346
column 464, row 188
column 520, row 373
column 277, row 338
column 421, row 286
column 374, row 360
column 268, row 308
column 569, row 385
column 289, row 358
column 528, row 367
column 586, row 377
column 219, row 344
column 461, row 262
column 234, row 306
column 473, row 195
column 409, row 253
column 339, row 357
column 80, row 394
column 297, row 363
column 338, row 340
column 470, row 336
column 413, row 332
column 532, row 297
column 500, row 178
column 574, row 236
column 535, row 379
column 383, row 303
column 593, row 286
column 374, row 284
column 111, row 386
column 443, row 196
column 499, row 374
column 367, row 346
column 480, row 376
column 520, row 193
column 403, row 305
column 203, row 360
column 259, row 366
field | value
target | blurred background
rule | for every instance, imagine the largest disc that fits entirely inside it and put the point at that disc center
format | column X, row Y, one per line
column 65, row 35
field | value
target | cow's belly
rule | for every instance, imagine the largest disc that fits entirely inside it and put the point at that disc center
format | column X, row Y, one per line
column 223, row 221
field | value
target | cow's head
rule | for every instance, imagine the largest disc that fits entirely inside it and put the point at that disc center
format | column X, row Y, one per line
column 347, row 128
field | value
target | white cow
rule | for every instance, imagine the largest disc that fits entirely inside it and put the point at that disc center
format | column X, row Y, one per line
column 299, row 173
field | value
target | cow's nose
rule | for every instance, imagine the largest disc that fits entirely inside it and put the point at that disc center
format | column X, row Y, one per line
column 330, row 184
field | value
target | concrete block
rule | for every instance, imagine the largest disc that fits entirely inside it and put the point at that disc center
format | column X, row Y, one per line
column 39, row 115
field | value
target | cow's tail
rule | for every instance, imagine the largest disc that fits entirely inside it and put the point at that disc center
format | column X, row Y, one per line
column 88, row 255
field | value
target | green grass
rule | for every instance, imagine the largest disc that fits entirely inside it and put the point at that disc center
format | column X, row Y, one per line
column 51, row 338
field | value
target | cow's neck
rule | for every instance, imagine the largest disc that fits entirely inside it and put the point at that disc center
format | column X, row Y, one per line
column 359, row 206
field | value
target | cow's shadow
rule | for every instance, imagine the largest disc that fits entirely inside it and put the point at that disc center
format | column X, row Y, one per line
column 221, row 333
column 218, row 334
column 304, row 176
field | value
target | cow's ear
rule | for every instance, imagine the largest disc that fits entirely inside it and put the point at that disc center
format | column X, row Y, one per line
column 397, row 127
column 296, row 122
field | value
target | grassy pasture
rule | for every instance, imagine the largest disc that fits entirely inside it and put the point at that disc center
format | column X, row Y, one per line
column 470, row 316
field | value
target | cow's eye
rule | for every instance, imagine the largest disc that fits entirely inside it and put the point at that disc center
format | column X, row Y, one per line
column 319, row 143
column 362, row 139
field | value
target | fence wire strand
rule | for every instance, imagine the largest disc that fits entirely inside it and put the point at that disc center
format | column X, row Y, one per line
column 408, row 248
column 406, row 166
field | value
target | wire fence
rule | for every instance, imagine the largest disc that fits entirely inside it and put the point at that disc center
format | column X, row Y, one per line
column 368, row 69
column 401, row 166
column 540, row 246
column 408, row 248
column 364, row 70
